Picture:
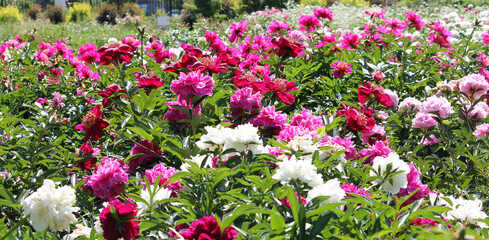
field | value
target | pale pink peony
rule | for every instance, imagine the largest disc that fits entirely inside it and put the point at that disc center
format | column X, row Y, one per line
column 428, row 141
column 480, row 110
column 193, row 84
column 474, row 85
column 108, row 179
column 437, row 105
column 424, row 121
column 481, row 131
column 410, row 105
column 347, row 143
column 166, row 176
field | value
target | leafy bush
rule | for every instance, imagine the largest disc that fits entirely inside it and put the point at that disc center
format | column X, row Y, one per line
column 355, row 2
column 55, row 14
column 208, row 8
column 10, row 14
column 130, row 9
column 34, row 12
column 107, row 14
column 189, row 14
column 79, row 12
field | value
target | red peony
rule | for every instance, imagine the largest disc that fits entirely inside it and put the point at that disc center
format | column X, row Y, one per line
column 116, row 53
column 109, row 91
column 93, row 125
column 118, row 221
column 368, row 88
column 285, row 48
column 207, row 228
column 152, row 82
column 357, row 120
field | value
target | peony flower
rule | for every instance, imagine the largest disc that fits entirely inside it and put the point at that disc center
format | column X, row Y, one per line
column 205, row 228
column 485, row 38
column 468, row 210
column 237, row 30
column 51, row 207
column 399, row 180
column 174, row 115
column 78, row 232
column 108, row 179
column 193, row 84
column 308, row 23
column 115, row 52
column 57, row 101
column 424, row 121
column 109, row 91
column 166, row 174
column 305, row 119
column 118, row 221
column 414, row 183
column 350, row 41
column 357, row 120
column 350, row 188
column 378, row 76
column 480, row 110
column 93, row 125
column 276, row 26
column 414, row 20
column 331, row 189
column 153, row 82
column 87, row 151
column 244, row 101
column 376, row 150
column 323, row 13
column 474, row 86
column 149, row 151
column 159, row 193
column 481, row 131
column 410, row 105
column 342, row 69
column 302, row 170
column 282, row 89
column 271, row 121
column 428, row 141
column 437, row 105
column 285, row 47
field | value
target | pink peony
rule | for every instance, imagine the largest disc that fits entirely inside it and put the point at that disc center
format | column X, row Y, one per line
column 424, row 121
column 308, row 23
column 350, row 188
column 276, row 26
column 244, row 100
column 305, row 119
column 414, row 183
column 166, row 173
column 108, row 179
column 350, row 41
column 193, row 84
column 481, row 131
column 289, row 132
column 480, row 110
column 485, row 38
column 437, row 105
column 323, row 13
column 342, row 68
column 174, row 115
column 414, row 20
column 237, row 30
column 347, row 143
column 271, row 121
column 395, row 26
column 371, row 137
column 474, row 85
column 379, row 149
column 393, row 96
column 378, row 76
column 428, row 141
column 410, row 105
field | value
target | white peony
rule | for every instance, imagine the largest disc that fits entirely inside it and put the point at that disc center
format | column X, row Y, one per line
column 399, row 180
column 215, row 138
column 51, row 207
column 331, row 189
column 302, row 170
column 161, row 194
column 468, row 210
column 78, row 232
column 198, row 159
column 303, row 144
column 242, row 138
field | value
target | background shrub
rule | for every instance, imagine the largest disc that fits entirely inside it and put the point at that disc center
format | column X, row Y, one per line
column 80, row 12
column 130, row 9
column 10, row 14
column 107, row 14
column 55, row 14
column 34, row 12
column 324, row 3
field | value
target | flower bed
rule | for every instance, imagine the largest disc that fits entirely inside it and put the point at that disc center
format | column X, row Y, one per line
column 300, row 133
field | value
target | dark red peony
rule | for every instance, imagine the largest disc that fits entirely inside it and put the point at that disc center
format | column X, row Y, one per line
column 357, row 120
column 149, row 153
column 93, row 125
column 118, row 220
column 116, row 53
column 206, row 228
column 152, row 82
column 109, row 91
column 368, row 89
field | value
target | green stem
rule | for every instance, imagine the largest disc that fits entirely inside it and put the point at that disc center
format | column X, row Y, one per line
column 17, row 225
